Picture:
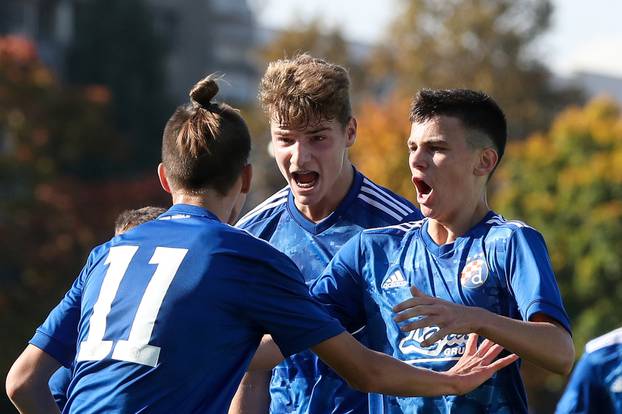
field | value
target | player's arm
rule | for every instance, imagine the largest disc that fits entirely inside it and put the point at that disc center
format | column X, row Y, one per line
column 252, row 396
column 370, row 371
column 27, row 382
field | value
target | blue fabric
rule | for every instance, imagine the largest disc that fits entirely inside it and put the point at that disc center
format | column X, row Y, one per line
column 228, row 290
column 302, row 383
column 59, row 384
column 595, row 385
column 499, row 265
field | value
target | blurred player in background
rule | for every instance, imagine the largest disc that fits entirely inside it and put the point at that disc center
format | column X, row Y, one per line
column 326, row 202
column 595, row 386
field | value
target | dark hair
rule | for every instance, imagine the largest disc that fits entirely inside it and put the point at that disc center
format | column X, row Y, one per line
column 205, row 144
column 476, row 110
column 305, row 89
column 132, row 218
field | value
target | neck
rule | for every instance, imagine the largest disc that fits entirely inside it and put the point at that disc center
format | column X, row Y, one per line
column 334, row 197
column 211, row 200
column 445, row 231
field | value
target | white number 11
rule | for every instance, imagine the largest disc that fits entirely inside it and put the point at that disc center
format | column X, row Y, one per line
column 136, row 348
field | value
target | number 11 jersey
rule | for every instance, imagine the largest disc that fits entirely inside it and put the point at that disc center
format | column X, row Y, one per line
column 165, row 318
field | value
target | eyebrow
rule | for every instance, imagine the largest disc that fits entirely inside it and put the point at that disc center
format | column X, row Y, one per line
column 433, row 141
column 289, row 132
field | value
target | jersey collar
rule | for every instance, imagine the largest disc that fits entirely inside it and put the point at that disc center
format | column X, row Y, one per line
column 448, row 249
column 189, row 210
column 342, row 208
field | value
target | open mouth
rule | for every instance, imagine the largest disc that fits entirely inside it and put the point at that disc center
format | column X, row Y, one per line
column 422, row 187
column 305, row 179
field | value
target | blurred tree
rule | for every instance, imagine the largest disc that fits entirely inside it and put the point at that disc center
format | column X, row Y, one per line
column 116, row 45
column 567, row 183
column 55, row 201
column 486, row 45
column 380, row 150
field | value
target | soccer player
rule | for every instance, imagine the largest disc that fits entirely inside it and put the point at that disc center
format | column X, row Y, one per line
column 326, row 202
column 595, row 386
column 468, row 268
column 127, row 220
column 165, row 318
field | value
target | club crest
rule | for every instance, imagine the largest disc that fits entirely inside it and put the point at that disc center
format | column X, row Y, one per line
column 475, row 272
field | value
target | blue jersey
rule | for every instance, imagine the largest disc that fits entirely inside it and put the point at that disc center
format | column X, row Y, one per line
column 166, row 317
column 595, row 386
column 302, row 384
column 59, row 384
column 502, row 266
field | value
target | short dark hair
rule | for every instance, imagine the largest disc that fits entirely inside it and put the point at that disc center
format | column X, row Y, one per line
column 205, row 144
column 476, row 110
column 132, row 218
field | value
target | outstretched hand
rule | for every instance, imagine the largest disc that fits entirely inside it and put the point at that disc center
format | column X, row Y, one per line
column 449, row 317
column 478, row 364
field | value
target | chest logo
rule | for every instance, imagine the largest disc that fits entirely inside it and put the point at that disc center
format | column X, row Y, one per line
column 395, row 280
column 475, row 272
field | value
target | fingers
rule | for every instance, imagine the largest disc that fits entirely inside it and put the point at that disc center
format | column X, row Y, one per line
column 471, row 345
column 423, row 322
column 502, row 362
column 418, row 310
column 411, row 303
column 417, row 293
column 486, row 346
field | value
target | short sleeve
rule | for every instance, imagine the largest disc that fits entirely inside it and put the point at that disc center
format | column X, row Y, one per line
column 583, row 394
column 278, row 300
column 339, row 288
column 57, row 336
column 531, row 277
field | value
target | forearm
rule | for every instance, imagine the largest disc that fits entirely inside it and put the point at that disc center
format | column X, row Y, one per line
column 252, row 396
column 539, row 341
column 390, row 376
column 33, row 399
column 27, row 382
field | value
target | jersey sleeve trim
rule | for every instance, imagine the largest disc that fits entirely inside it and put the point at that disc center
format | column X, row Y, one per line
column 312, row 338
column 52, row 347
column 549, row 309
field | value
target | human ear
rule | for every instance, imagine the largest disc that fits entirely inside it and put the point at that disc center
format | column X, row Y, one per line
column 487, row 161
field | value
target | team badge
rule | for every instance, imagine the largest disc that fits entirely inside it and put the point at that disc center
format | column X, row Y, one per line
column 475, row 272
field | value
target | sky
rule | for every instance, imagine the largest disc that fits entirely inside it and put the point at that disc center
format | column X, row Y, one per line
column 584, row 35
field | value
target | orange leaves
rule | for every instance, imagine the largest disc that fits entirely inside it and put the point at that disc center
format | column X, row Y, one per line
column 380, row 151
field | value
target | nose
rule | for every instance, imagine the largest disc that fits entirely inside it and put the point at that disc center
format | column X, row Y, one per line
column 417, row 159
column 299, row 155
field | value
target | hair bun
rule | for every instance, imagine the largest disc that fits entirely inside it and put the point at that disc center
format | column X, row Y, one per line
column 204, row 91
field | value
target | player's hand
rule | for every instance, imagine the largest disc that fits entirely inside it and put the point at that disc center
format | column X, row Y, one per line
column 449, row 317
column 478, row 364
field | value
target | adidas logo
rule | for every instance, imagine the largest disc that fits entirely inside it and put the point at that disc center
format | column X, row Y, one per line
column 396, row 280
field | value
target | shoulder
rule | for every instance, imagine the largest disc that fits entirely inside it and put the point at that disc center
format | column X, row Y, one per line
column 270, row 207
column 380, row 199
column 611, row 339
column 500, row 227
column 388, row 237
